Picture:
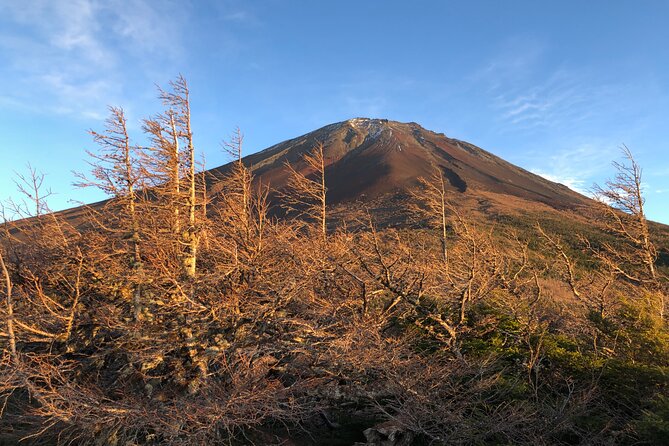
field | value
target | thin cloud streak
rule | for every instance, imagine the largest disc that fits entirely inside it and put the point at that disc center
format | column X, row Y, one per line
column 74, row 55
column 577, row 168
column 573, row 183
column 561, row 98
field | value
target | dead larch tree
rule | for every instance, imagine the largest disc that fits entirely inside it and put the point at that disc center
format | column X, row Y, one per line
column 633, row 255
column 306, row 193
column 623, row 204
column 432, row 204
column 177, row 102
column 115, row 170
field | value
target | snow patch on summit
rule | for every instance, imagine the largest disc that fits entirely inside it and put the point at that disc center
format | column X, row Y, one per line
column 373, row 127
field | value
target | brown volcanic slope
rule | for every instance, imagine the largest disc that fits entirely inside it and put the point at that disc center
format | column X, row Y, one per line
column 368, row 158
column 374, row 162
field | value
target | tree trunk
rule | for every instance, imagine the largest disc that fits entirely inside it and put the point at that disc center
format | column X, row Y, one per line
column 10, row 308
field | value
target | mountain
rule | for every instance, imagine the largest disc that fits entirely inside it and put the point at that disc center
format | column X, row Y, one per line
column 368, row 158
column 373, row 164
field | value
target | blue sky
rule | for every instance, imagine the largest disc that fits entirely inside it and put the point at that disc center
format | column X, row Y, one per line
column 555, row 87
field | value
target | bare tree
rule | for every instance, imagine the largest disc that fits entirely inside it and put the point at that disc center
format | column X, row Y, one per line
column 164, row 165
column 115, row 171
column 31, row 186
column 9, row 307
column 178, row 103
column 477, row 263
column 557, row 246
column 237, row 187
column 623, row 204
column 306, row 193
column 434, row 205
column 633, row 254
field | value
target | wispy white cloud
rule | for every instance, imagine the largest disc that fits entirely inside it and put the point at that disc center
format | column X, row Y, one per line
column 575, row 116
column 514, row 62
column 54, row 29
column 577, row 167
column 657, row 171
column 149, row 27
column 528, row 90
column 72, row 56
column 78, row 98
column 241, row 16
column 572, row 182
column 522, row 93
column 237, row 12
column 561, row 98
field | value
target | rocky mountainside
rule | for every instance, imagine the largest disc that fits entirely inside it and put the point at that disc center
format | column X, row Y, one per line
column 367, row 158
column 372, row 164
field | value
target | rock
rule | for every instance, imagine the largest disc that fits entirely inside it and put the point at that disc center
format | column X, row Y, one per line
column 388, row 434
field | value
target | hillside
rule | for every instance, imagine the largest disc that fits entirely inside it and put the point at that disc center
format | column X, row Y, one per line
column 421, row 291
column 375, row 163
column 367, row 158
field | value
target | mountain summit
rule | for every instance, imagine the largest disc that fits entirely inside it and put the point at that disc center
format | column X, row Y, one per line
column 367, row 158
